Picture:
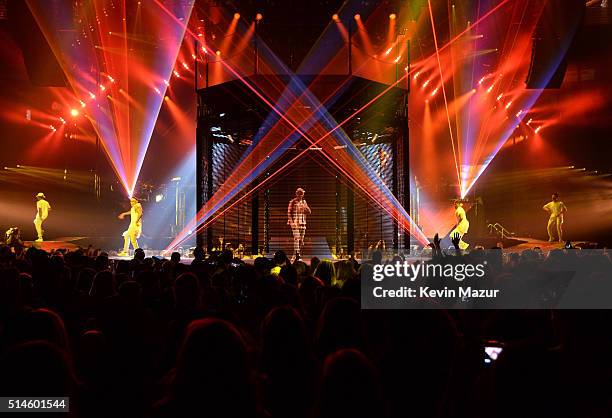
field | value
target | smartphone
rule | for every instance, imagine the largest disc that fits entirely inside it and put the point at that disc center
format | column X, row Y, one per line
column 492, row 353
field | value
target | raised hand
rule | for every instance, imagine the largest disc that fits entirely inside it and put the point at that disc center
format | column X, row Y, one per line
column 455, row 239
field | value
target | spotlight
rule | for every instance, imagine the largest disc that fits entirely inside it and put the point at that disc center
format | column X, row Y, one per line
column 529, row 121
column 388, row 51
column 159, row 198
column 166, row 98
column 537, row 129
column 426, row 83
column 92, row 96
column 392, row 16
column 416, row 75
column 473, row 90
column 336, row 18
column 74, row 112
column 218, row 53
column 357, row 16
column 509, row 104
column 434, row 92
column 499, row 96
column 167, row 83
column 176, row 74
column 236, row 16
column 61, row 119
column 82, row 103
column 157, row 90
column 185, row 66
column 258, row 17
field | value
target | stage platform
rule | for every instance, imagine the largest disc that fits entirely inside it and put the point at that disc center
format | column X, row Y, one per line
column 514, row 245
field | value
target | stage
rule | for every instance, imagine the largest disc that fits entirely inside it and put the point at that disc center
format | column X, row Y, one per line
column 518, row 245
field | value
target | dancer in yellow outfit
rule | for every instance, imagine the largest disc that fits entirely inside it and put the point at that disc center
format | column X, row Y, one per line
column 135, row 229
column 556, row 208
column 42, row 212
column 462, row 225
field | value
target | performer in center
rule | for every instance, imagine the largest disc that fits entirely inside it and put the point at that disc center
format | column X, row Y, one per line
column 296, row 214
column 462, row 225
column 134, row 229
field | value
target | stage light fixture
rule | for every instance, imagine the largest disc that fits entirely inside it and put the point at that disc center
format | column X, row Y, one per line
column 336, row 18
column 176, row 74
column 392, row 16
column 159, row 198
column 218, row 53
column 166, row 98
column 185, row 66
column 357, row 16
column 74, row 112
column 236, row 16
column 258, row 17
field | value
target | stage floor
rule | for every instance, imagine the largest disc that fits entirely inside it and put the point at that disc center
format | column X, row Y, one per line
column 74, row 243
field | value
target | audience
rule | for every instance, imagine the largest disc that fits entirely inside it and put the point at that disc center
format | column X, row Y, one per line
column 218, row 337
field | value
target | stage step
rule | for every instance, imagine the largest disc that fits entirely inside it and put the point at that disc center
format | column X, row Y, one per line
column 313, row 247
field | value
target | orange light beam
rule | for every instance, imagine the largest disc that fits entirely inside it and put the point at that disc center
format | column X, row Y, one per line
column 450, row 128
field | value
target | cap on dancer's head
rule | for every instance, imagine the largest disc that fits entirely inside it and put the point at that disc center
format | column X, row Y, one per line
column 300, row 191
column 41, row 195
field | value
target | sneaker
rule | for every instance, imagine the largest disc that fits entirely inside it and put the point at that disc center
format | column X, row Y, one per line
column 39, row 240
column 122, row 254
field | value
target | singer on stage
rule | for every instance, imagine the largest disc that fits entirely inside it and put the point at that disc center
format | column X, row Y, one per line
column 296, row 214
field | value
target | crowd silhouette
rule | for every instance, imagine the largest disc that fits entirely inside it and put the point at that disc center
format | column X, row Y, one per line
column 219, row 337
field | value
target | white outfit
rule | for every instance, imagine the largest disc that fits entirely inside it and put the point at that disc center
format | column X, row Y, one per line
column 555, row 222
column 296, row 212
column 42, row 212
column 135, row 229
column 462, row 227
